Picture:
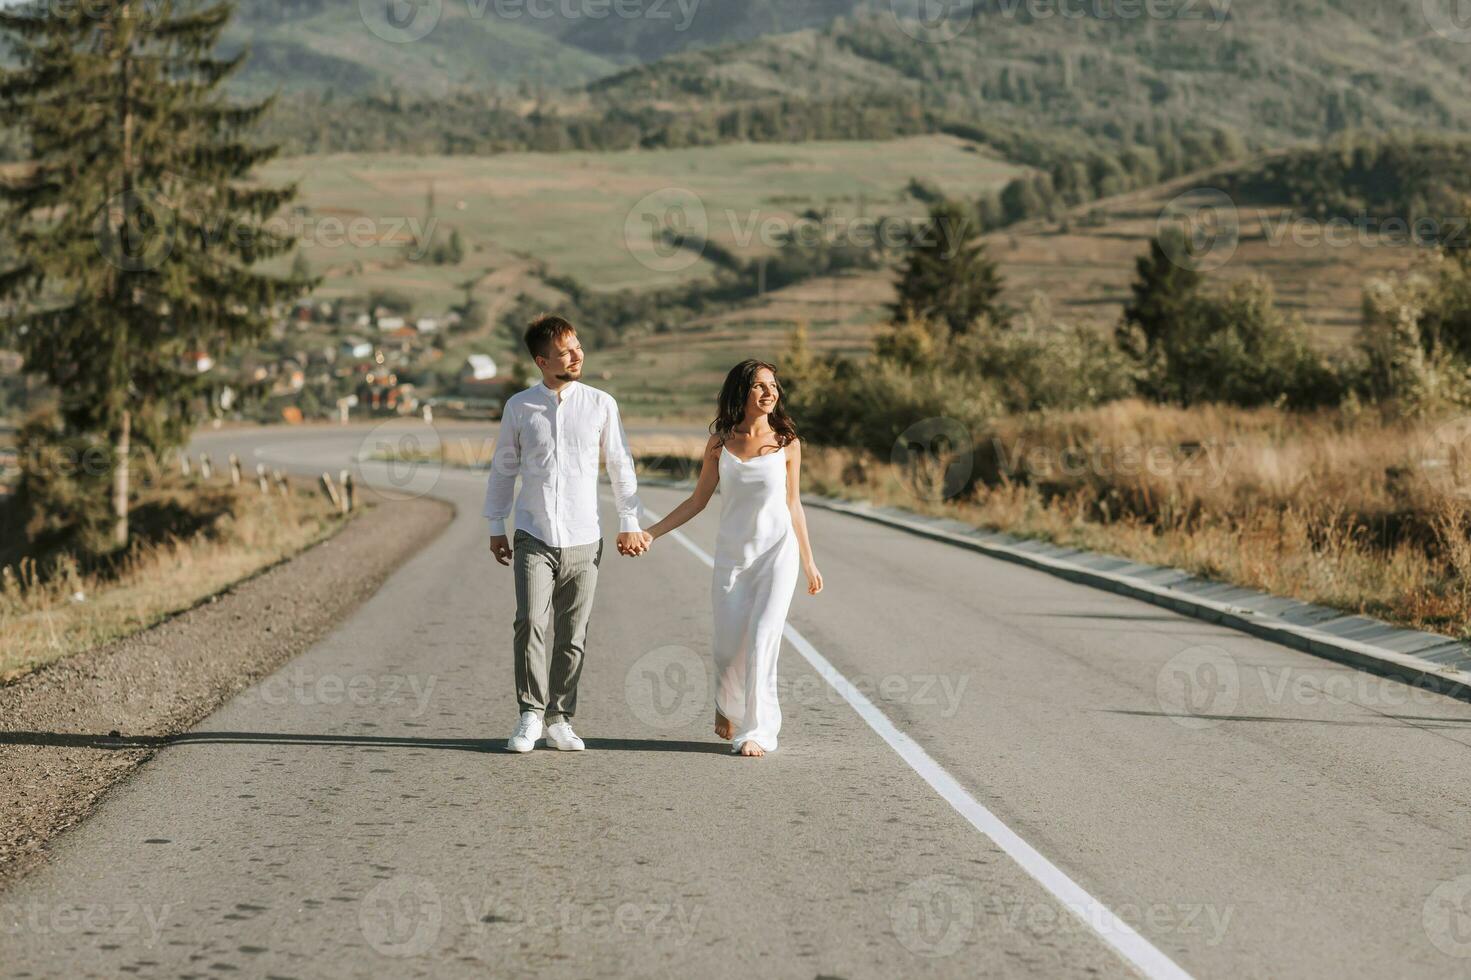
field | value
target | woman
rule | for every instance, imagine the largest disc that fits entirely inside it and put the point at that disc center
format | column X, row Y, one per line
column 755, row 457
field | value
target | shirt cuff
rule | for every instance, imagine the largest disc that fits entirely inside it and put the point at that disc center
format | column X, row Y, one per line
column 497, row 526
column 628, row 524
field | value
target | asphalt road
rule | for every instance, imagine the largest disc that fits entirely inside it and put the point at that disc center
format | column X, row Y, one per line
column 1229, row 807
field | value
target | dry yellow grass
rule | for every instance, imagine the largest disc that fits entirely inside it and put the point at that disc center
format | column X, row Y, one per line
column 69, row 611
column 1353, row 510
column 1356, row 512
column 1083, row 264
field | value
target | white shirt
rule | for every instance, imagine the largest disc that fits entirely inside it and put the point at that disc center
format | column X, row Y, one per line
column 553, row 443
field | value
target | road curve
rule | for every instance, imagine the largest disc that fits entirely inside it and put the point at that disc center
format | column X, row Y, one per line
column 1244, row 809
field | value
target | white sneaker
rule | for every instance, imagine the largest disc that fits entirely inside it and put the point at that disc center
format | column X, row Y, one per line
column 561, row 736
column 528, row 730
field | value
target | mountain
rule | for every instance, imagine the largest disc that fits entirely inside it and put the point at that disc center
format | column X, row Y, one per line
column 326, row 45
column 543, row 44
column 624, row 72
column 665, row 27
column 1274, row 70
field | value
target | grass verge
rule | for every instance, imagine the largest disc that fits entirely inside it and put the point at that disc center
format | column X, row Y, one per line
column 1361, row 514
column 1353, row 511
column 234, row 534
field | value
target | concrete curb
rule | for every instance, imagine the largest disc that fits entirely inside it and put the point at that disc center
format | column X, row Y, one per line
column 1427, row 660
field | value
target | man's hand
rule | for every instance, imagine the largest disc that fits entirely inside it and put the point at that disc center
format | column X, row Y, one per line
column 634, row 543
column 500, row 546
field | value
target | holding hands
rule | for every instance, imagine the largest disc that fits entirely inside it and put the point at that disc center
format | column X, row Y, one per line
column 631, row 544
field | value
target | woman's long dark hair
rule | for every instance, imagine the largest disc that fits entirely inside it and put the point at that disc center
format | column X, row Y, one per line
column 733, row 396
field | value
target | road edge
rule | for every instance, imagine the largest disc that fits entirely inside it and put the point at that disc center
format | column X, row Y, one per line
column 1426, row 660
column 163, row 680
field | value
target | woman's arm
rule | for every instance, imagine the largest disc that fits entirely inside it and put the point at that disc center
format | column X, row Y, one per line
column 799, row 516
column 696, row 501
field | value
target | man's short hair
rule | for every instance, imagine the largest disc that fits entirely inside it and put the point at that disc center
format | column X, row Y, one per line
column 544, row 331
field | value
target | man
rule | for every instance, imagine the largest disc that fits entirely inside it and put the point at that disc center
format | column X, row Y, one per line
column 551, row 434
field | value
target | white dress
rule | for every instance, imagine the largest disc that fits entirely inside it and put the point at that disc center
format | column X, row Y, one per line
column 756, row 564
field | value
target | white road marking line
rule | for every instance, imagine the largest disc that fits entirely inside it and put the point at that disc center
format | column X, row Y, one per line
column 1117, row 933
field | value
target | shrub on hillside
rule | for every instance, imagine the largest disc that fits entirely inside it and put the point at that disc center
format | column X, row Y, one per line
column 1191, row 346
column 1047, row 366
column 921, row 372
column 1240, row 350
column 1036, row 364
column 1411, row 337
column 871, row 405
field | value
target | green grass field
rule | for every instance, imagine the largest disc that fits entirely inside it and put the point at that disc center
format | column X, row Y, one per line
column 571, row 210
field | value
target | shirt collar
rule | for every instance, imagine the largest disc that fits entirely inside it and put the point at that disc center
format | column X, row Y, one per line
column 567, row 389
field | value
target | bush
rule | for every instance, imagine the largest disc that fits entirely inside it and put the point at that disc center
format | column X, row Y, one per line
column 872, row 405
column 1404, row 340
column 1235, row 348
column 1038, row 364
column 1192, row 346
column 1240, row 350
column 1049, row 366
column 390, row 299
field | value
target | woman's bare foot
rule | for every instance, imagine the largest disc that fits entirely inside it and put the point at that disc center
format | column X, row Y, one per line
column 723, row 727
column 752, row 749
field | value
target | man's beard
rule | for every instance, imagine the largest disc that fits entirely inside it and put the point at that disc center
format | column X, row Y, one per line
column 572, row 374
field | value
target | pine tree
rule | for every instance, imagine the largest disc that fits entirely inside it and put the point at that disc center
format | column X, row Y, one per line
column 948, row 276
column 1163, row 290
column 134, row 231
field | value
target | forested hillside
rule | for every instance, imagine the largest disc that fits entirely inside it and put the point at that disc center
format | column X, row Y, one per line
column 492, row 77
column 325, row 46
column 1278, row 70
column 1273, row 73
column 312, row 45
